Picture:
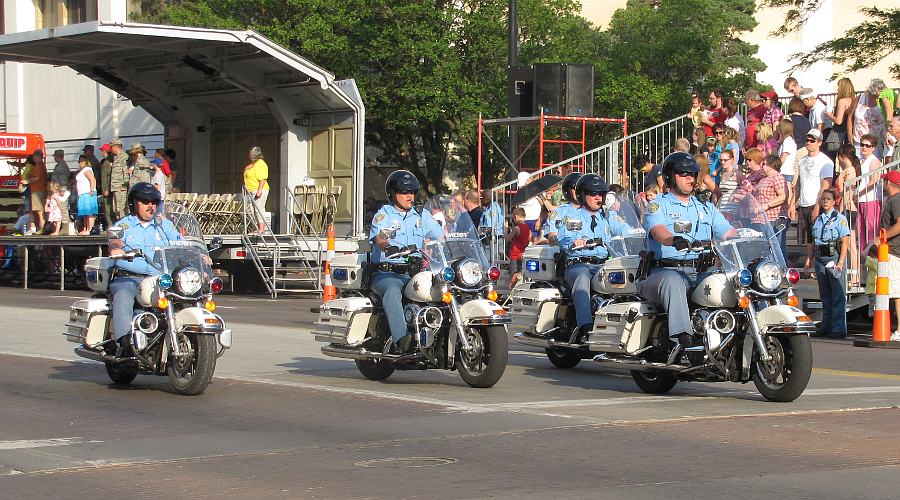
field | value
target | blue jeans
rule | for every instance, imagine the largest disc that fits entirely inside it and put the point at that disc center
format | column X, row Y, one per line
column 578, row 276
column 124, row 291
column 834, row 301
column 390, row 287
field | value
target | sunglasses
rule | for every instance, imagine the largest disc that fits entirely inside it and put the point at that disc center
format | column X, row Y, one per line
column 810, row 140
column 593, row 193
column 864, row 145
column 407, row 191
column 145, row 201
column 725, row 159
column 685, row 174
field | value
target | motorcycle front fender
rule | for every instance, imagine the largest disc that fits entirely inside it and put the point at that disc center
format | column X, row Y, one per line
column 199, row 320
column 483, row 312
column 784, row 319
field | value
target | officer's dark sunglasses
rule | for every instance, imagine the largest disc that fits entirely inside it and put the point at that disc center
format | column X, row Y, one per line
column 407, row 191
column 685, row 174
column 593, row 193
column 145, row 201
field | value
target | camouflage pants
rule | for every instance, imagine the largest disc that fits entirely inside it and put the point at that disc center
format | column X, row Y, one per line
column 119, row 204
column 108, row 214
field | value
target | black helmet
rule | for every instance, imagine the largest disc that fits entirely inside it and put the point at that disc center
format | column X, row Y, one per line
column 568, row 184
column 400, row 180
column 144, row 191
column 678, row 162
column 590, row 183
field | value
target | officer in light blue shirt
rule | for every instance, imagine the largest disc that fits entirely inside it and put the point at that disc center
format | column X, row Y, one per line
column 677, row 226
column 831, row 238
column 589, row 222
column 395, row 226
column 551, row 228
column 142, row 230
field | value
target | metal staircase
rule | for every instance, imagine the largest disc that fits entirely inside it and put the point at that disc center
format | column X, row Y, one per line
column 287, row 263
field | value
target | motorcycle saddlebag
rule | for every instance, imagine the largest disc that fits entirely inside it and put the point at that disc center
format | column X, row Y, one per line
column 622, row 327
column 87, row 322
column 348, row 271
column 534, row 310
column 97, row 273
column 346, row 321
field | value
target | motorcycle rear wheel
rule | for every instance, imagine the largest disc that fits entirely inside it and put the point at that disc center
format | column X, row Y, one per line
column 121, row 373
column 654, row 381
column 484, row 365
column 191, row 375
column 562, row 357
column 785, row 377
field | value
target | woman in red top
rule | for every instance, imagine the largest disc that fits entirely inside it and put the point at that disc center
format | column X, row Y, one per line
column 519, row 235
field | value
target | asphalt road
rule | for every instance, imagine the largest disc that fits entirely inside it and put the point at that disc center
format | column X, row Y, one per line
column 283, row 421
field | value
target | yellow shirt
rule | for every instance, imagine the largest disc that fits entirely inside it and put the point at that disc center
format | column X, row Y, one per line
column 258, row 172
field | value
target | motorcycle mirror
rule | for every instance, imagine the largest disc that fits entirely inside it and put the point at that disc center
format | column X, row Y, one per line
column 573, row 225
column 216, row 243
column 115, row 232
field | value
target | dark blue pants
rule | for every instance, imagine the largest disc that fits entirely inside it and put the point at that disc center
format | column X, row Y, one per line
column 834, row 301
column 578, row 276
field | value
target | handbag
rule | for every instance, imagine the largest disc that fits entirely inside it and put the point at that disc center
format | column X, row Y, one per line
column 833, row 141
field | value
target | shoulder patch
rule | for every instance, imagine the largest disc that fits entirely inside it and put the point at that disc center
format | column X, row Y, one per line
column 620, row 219
column 124, row 226
column 844, row 222
column 553, row 215
column 378, row 218
column 653, row 208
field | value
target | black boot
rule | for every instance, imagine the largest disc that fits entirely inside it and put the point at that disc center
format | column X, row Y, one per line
column 126, row 348
column 404, row 344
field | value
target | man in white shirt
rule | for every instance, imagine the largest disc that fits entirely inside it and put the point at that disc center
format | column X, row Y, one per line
column 816, row 108
column 159, row 181
column 815, row 175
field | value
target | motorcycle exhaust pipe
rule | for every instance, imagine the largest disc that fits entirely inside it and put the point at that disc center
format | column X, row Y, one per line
column 360, row 354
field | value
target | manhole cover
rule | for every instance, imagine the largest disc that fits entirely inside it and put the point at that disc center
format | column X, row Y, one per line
column 407, row 462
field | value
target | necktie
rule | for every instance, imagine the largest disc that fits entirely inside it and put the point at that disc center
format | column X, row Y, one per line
column 593, row 223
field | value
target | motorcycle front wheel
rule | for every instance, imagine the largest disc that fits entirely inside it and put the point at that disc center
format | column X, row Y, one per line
column 783, row 378
column 192, row 372
column 485, row 363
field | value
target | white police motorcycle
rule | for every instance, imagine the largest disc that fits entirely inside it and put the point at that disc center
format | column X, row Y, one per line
column 541, row 307
column 175, row 331
column 744, row 308
column 449, row 303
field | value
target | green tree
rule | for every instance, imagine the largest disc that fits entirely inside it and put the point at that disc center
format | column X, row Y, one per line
column 860, row 47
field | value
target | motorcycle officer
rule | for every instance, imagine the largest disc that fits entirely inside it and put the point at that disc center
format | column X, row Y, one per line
column 583, row 263
column 677, row 221
column 397, row 225
column 143, row 231
column 551, row 228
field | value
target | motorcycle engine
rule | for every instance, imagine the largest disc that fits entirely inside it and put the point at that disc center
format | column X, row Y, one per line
column 423, row 323
column 713, row 324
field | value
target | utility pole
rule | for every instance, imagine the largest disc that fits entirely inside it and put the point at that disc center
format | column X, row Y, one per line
column 513, row 55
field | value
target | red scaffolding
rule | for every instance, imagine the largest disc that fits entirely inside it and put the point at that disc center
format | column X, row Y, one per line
column 545, row 122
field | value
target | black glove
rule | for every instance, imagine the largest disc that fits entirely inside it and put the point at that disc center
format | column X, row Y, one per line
column 680, row 243
column 391, row 250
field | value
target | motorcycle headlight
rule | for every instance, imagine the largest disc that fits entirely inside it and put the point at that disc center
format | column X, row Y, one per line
column 470, row 273
column 188, row 281
column 768, row 277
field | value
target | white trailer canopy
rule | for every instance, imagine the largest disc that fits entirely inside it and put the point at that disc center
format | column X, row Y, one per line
column 193, row 78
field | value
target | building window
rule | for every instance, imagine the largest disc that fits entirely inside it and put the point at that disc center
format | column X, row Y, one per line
column 55, row 13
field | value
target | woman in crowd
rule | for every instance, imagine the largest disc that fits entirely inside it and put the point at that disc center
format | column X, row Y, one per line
column 849, row 166
column 797, row 114
column 842, row 107
column 86, row 185
column 705, row 186
column 771, row 193
column 787, row 152
column 766, row 140
column 868, row 192
column 728, row 177
column 37, row 181
column 716, row 149
column 700, row 145
column 867, row 119
column 735, row 121
column 256, row 174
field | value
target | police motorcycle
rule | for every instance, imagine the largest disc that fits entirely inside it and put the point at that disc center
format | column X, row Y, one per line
column 744, row 309
column 449, row 305
column 541, row 307
column 175, row 331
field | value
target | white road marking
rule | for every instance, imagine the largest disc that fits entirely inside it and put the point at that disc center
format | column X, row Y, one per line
column 42, row 443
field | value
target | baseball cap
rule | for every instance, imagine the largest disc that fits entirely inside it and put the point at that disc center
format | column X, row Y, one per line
column 752, row 94
column 105, row 147
column 816, row 133
column 807, row 93
column 769, row 94
column 156, row 161
column 893, row 176
column 59, row 152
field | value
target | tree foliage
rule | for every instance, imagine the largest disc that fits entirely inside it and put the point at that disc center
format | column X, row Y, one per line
column 427, row 68
column 862, row 46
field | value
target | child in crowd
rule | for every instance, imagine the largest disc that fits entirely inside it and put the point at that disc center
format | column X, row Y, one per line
column 51, row 207
column 519, row 235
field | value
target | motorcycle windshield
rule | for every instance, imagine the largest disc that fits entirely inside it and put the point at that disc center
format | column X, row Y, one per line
column 181, row 254
column 460, row 240
column 184, row 222
column 757, row 239
column 632, row 243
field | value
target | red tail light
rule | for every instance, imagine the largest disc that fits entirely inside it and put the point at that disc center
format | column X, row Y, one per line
column 793, row 276
column 216, row 285
column 494, row 273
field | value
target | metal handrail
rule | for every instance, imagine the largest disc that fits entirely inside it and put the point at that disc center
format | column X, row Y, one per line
column 254, row 214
